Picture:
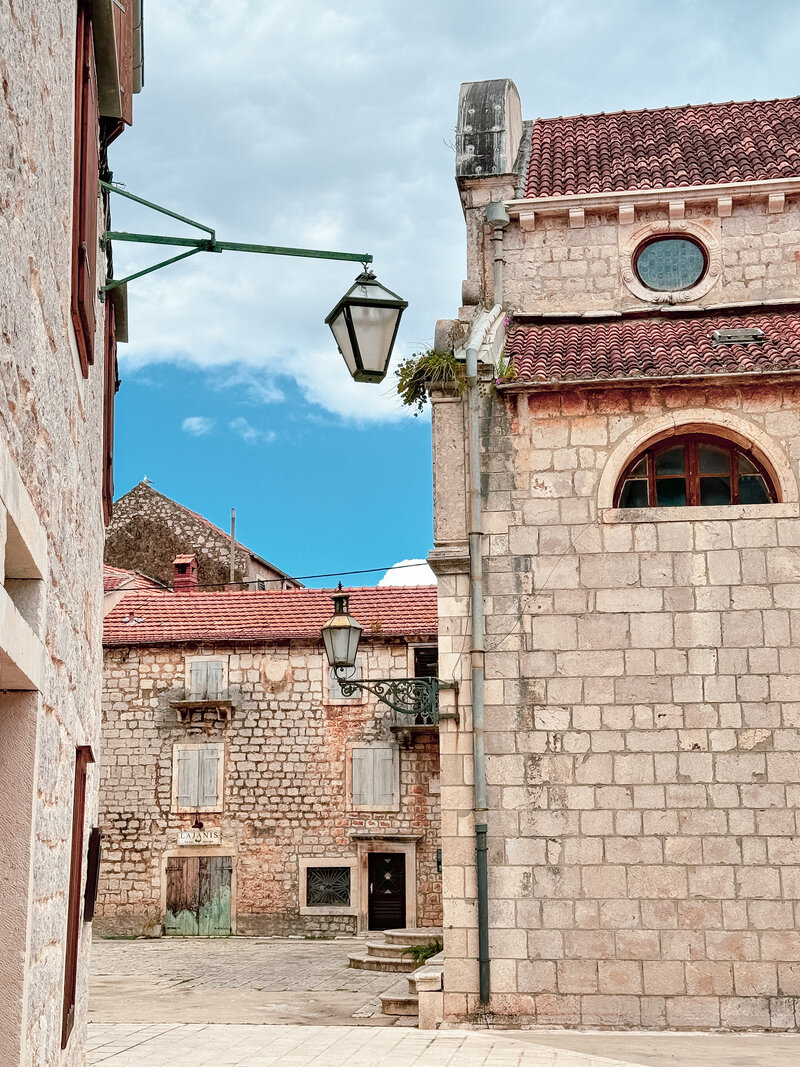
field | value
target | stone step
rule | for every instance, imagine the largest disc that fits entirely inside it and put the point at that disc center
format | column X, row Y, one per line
column 387, row 950
column 399, row 1004
column 419, row 936
column 364, row 962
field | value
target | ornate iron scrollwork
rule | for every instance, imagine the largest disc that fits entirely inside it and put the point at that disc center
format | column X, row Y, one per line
column 416, row 697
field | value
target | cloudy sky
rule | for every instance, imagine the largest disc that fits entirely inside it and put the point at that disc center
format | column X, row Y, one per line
column 331, row 125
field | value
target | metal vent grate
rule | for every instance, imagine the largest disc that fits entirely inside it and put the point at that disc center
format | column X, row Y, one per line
column 740, row 335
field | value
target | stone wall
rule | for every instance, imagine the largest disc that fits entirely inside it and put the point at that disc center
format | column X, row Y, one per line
column 557, row 268
column 50, row 421
column 285, row 787
column 149, row 530
column 642, row 724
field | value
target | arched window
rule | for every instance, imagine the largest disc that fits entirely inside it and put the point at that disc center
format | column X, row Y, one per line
column 691, row 470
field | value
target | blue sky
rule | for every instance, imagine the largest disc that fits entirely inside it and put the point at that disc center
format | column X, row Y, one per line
column 331, row 125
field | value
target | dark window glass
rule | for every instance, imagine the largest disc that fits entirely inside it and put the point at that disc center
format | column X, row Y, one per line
column 670, row 492
column 714, row 460
column 752, row 490
column 715, row 491
column 426, row 662
column 670, row 461
column 694, row 470
column 670, row 263
column 634, row 494
column 327, row 885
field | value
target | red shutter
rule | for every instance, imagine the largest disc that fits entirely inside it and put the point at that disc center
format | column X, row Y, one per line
column 109, row 391
column 83, row 758
column 123, row 32
column 84, row 204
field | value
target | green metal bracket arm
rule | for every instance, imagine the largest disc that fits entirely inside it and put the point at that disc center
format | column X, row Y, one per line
column 203, row 244
column 408, row 696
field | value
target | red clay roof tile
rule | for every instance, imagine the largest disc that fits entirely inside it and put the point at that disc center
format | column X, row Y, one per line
column 706, row 144
column 117, row 578
column 652, row 347
column 153, row 618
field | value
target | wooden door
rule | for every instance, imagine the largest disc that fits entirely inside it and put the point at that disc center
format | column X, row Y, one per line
column 198, row 896
column 386, row 908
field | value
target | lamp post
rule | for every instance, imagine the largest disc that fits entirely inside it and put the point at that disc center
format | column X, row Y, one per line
column 417, row 697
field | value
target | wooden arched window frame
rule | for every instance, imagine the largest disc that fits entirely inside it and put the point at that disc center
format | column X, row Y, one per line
column 694, row 470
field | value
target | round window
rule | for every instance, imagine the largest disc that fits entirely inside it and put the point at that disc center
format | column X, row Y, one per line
column 670, row 263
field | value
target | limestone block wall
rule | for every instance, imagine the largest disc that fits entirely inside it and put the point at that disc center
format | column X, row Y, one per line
column 50, row 421
column 285, row 784
column 556, row 267
column 642, row 727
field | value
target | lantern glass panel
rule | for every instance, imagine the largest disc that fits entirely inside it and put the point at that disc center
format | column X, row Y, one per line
column 342, row 336
column 374, row 329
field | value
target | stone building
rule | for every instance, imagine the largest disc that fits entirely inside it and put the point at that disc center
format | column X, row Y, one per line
column 240, row 793
column 148, row 530
column 69, row 72
column 641, row 557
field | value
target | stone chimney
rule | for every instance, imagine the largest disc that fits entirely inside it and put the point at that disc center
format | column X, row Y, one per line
column 489, row 128
column 185, row 575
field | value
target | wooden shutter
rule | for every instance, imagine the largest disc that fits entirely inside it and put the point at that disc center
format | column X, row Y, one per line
column 198, row 678
column 83, row 757
column 214, row 679
column 384, row 777
column 361, row 777
column 209, row 768
column 109, row 392
column 123, row 34
column 85, row 191
column 186, row 769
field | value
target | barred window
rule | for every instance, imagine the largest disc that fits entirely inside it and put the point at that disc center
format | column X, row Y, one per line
column 326, row 886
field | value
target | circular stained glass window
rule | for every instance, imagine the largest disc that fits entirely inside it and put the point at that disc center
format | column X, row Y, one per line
column 670, row 263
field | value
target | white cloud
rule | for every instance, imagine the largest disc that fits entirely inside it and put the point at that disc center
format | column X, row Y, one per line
column 409, row 572
column 299, row 125
column 197, row 425
column 251, row 434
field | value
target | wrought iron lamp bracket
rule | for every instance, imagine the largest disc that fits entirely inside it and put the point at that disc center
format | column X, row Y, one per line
column 201, row 244
column 417, row 697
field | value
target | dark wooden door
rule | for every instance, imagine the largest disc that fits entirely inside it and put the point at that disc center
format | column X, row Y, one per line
column 387, row 891
column 198, row 895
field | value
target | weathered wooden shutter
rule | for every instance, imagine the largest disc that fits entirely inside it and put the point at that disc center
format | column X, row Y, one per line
column 187, row 770
column 198, row 678
column 209, row 766
column 123, row 34
column 214, row 679
column 86, row 191
column 109, row 392
column 384, row 777
column 362, row 776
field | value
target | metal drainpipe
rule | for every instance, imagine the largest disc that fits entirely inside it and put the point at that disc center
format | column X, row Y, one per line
column 498, row 218
column 477, row 669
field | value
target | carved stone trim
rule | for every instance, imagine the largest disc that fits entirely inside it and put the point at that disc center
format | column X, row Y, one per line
column 704, row 235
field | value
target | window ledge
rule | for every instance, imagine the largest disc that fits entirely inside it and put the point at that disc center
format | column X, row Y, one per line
column 700, row 514
column 329, row 909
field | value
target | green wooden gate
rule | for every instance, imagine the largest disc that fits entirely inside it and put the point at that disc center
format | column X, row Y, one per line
column 198, row 896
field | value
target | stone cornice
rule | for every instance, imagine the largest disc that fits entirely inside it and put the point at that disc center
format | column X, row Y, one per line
column 773, row 188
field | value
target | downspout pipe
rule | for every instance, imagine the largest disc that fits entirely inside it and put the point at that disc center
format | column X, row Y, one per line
column 477, row 656
column 497, row 217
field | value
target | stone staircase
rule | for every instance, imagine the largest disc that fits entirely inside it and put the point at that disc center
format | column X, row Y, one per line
column 389, row 954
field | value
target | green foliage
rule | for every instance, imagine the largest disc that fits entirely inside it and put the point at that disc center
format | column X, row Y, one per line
column 505, row 371
column 422, row 953
column 423, row 370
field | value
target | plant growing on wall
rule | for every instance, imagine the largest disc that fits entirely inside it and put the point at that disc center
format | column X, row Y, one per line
column 426, row 370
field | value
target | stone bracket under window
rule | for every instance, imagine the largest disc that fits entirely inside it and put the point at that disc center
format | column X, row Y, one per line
column 188, row 707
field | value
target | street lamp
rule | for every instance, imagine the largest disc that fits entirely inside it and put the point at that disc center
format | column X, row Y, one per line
column 408, row 696
column 364, row 324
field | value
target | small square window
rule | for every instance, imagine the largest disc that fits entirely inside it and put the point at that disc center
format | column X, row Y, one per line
column 327, row 887
column 350, row 674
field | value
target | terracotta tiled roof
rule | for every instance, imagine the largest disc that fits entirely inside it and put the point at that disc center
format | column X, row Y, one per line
column 118, row 578
column 707, row 144
column 151, row 618
column 668, row 346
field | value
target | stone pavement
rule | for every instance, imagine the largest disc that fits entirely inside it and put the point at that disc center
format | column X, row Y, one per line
column 173, row 1045
column 234, row 980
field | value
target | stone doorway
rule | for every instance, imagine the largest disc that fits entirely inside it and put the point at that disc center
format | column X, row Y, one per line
column 198, row 896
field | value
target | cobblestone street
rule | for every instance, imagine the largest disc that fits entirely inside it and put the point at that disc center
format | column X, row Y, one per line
column 234, row 980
